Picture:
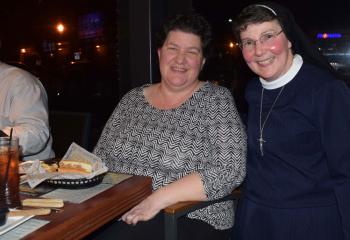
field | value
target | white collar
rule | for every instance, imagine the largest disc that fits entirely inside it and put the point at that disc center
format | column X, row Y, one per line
column 287, row 77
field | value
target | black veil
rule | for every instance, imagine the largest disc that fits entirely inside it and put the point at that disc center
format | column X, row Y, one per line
column 300, row 42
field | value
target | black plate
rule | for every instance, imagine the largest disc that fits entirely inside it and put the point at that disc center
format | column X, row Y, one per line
column 76, row 183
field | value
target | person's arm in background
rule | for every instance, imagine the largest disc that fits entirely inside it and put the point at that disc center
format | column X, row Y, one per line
column 224, row 171
column 26, row 111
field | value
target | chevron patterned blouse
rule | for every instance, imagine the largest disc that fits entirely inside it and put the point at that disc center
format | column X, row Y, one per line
column 205, row 134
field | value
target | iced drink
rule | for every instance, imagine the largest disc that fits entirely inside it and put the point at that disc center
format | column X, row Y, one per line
column 10, row 188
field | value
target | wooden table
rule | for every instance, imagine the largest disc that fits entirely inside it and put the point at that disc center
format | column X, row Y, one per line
column 76, row 221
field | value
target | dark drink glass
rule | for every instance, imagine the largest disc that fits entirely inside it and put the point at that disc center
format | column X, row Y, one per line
column 3, row 213
column 10, row 186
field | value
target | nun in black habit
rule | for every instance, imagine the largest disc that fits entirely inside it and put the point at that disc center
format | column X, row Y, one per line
column 298, row 165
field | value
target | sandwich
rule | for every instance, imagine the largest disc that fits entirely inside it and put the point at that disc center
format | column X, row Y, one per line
column 75, row 166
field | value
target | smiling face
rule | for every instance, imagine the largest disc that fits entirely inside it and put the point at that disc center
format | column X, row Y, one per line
column 271, row 60
column 180, row 59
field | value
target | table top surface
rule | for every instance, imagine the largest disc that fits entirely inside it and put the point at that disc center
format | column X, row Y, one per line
column 76, row 221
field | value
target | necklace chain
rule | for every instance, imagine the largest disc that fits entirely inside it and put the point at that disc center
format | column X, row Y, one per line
column 262, row 125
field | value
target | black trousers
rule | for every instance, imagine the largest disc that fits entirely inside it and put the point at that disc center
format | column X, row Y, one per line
column 188, row 229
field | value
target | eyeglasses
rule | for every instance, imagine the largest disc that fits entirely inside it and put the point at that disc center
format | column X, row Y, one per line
column 266, row 40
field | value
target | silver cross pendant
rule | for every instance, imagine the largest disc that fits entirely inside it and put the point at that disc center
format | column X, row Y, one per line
column 261, row 142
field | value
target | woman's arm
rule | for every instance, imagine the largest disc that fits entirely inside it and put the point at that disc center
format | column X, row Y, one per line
column 225, row 168
column 333, row 103
column 188, row 188
column 105, row 143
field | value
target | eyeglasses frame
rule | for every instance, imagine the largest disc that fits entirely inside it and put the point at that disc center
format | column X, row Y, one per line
column 275, row 35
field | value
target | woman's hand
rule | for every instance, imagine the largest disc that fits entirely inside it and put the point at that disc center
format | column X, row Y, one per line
column 144, row 211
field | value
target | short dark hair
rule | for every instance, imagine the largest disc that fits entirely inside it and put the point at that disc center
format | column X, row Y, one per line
column 252, row 14
column 190, row 22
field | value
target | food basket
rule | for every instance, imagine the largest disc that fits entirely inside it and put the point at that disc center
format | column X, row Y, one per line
column 76, row 183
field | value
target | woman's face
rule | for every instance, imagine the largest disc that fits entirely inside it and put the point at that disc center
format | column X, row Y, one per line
column 180, row 59
column 271, row 57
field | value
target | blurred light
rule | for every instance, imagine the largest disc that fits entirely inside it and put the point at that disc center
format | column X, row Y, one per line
column 76, row 56
column 230, row 20
column 60, row 28
column 59, row 49
column 23, row 50
column 329, row 35
column 72, row 62
column 97, row 46
column 231, row 45
column 59, row 44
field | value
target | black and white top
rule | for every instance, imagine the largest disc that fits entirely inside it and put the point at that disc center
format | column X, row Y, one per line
column 205, row 134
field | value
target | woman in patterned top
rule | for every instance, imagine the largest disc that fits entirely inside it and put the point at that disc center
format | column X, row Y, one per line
column 184, row 133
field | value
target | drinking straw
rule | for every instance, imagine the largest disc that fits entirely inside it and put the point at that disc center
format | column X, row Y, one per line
column 9, row 160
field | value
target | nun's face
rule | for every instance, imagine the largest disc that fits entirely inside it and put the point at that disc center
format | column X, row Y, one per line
column 266, row 50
